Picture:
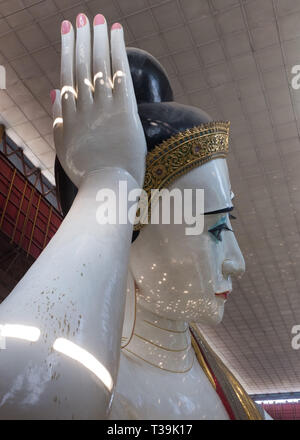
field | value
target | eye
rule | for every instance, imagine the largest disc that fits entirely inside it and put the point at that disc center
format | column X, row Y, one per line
column 216, row 230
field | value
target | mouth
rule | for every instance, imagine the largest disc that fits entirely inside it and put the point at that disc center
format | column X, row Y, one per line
column 223, row 295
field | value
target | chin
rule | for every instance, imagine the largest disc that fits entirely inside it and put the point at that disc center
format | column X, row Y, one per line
column 217, row 318
column 209, row 314
column 210, row 319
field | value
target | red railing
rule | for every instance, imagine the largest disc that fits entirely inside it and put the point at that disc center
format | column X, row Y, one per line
column 26, row 217
column 283, row 411
column 16, row 156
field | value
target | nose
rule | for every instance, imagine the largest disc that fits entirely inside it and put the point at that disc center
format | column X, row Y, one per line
column 233, row 260
column 233, row 268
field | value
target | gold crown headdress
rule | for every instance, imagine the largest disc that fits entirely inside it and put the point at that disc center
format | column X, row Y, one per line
column 180, row 154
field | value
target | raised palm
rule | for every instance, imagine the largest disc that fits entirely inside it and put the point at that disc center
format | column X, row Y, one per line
column 96, row 123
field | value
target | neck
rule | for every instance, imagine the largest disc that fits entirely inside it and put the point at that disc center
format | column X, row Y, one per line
column 161, row 342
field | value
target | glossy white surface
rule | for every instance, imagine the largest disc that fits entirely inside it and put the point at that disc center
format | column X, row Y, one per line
column 177, row 278
column 101, row 128
column 144, row 391
column 72, row 299
column 214, row 180
column 65, row 295
column 178, row 275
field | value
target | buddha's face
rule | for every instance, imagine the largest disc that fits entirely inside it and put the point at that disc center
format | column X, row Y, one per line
column 188, row 277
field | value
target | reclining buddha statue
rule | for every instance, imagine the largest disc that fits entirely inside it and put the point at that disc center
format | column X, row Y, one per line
column 104, row 324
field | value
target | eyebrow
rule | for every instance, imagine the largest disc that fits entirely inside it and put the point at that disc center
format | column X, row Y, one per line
column 220, row 211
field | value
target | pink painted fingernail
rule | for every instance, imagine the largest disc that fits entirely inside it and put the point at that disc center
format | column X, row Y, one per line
column 65, row 27
column 116, row 26
column 53, row 96
column 99, row 19
column 81, row 20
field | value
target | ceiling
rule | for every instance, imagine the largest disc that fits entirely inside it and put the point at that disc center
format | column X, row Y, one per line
column 233, row 58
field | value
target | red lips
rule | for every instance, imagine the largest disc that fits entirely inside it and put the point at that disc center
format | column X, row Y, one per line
column 223, row 295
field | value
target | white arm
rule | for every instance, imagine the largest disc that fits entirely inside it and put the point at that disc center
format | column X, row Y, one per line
column 62, row 323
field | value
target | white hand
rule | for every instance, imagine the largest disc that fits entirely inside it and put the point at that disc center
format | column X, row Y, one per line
column 96, row 123
column 100, row 130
